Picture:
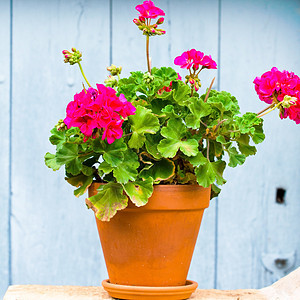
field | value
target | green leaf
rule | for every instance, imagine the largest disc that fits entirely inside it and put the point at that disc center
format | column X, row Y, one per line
column 127, row 170
column 235, row 158
column 244, row 147
column 88, row 171
column 139, row 191
column 50, row 161
column 81, row 181
column 247, row 122
column 107, row 201
column 210, row 172
column 57, row 137
column 144, row 121
column 151, row 145
column 258, row 135
column 197, row 160
column 168, row 147
column 74, row 166
column 105, row 167
column 199, row 109
column 160, row 170
column 224, row 102
column 215, row 191
column 189, row 147
column 114, row 153
column 175, row 129
column 67, row 153
column 168, row 110
column 181, row 92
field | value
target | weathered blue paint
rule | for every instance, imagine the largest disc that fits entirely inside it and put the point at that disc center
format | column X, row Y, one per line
column 5, row 63
column 54, row 238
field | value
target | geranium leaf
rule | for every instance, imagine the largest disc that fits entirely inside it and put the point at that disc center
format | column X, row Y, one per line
column 67, row 153
column 199, row 109
column 247, row 122
column 144, row 121
column 139, row 191
column 235, row 158
column 114, row 153
column 189, row 147
column 210, row 172
column 151, row 145
column 258, row 135
column 57, row 137
column 127, row 169
column 181, row 92
column 175, row 129
column 74, row 166
column 160, row 170
column 105, row 167
column 81, row 181
column 107, row 201
column 168, row 147
column 50, row 161
column 215, row 191
column 244, row 147
column 197, row 160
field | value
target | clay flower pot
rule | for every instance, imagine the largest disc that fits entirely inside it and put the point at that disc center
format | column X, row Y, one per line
column 152, row 246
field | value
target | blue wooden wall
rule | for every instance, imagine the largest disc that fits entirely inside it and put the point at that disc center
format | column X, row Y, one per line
column 47, row 236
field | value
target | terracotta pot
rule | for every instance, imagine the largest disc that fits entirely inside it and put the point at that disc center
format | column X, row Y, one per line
column 153, row 245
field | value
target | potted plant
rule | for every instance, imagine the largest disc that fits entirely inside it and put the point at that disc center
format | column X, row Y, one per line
column 151, row 149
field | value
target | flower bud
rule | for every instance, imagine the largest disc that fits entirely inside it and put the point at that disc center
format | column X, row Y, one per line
column 72, row 58
column 288, row 101
column 148, row 78
column 192, row 81
column 114, row 70
column 142, row 19
column 152, row 30
column 136, row 21
column 60, row 126
column 111, row 81
column 160, row 21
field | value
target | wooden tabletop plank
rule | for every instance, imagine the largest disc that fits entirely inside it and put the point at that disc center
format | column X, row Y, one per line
column 287, row 288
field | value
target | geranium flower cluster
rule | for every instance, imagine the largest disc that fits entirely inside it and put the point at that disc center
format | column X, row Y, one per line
column 99, row 109
column 148, row 11
column 193, row 59
column 275, row 86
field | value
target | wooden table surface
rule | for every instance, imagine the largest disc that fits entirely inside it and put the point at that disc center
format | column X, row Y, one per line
column 287, row 288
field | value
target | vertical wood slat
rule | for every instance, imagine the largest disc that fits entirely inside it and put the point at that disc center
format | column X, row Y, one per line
column 5, row 61
column 255, row 36
column 198, row 28
column 54, row 236
column 129, row 51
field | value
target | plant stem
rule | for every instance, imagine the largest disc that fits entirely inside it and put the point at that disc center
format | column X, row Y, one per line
column 147, row 53
column 80, row 67
column 207, row 149
column 266, row 112
column 209, row 89
column 268, row 107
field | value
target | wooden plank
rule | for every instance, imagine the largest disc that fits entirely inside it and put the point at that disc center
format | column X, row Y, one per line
column 55, row 238
column 287, row 288
column 5, row 60
column 192, row 28
column 255, row 36
column 129, row 52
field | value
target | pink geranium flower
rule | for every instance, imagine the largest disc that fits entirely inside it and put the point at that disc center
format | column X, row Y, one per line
column 148, row 10
column 193, row 59
column 99, row 109
column 275, row 84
